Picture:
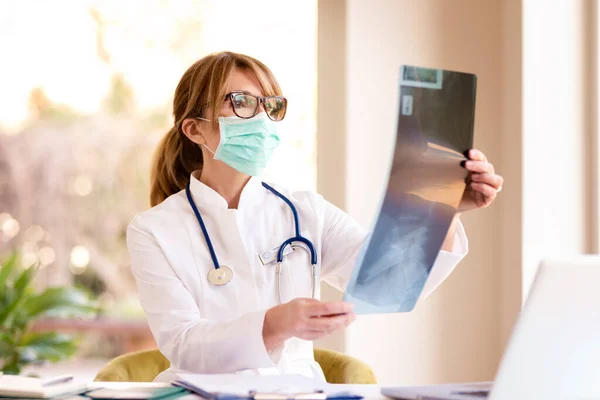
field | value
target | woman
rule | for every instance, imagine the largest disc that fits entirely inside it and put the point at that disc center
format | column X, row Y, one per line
column 204, row 255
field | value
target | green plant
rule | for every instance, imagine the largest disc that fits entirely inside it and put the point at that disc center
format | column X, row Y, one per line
column 21, row 305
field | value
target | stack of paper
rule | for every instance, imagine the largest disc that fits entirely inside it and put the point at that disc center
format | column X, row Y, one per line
column 26, row 387
column 234, row 386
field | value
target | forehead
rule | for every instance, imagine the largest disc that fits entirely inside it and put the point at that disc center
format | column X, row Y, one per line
column 244, row 80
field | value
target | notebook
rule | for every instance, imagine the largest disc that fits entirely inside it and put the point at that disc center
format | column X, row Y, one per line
column 25, row 387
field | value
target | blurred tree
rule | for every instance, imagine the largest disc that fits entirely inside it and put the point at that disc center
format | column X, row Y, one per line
column 40, row 107
column 81, row 178
column 120, row 99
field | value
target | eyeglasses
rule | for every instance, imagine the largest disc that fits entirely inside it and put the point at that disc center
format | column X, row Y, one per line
column 246, row 105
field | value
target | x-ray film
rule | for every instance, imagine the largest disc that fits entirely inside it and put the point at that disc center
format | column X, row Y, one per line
column 425, row 185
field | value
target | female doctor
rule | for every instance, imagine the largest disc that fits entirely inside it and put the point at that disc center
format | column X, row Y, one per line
column 220, row 292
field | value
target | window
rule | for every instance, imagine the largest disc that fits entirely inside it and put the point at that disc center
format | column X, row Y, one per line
column 86, row 95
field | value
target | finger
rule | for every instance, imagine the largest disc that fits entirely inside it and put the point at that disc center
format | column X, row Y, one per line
column 329, row 308
column 351, row 317
column 325, row 324
column 493, row 180
column 477, row 155
column 486, row 190
column 314, row 335
column 479, row 166
column 309, row 335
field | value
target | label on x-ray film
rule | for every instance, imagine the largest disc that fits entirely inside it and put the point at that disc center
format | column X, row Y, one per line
column 267, row 257
column 407, row 104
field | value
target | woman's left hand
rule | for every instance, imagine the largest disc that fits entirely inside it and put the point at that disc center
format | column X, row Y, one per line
column 483, row 184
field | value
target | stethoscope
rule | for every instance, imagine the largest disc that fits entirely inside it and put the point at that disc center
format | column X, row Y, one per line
column 221, row 274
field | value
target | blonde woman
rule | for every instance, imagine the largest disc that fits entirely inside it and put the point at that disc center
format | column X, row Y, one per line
column 205, row 256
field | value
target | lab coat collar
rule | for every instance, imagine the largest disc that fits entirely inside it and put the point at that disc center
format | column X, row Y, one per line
column 207, row 198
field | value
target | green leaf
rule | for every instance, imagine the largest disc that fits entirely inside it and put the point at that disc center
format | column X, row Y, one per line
column 12, row 368
column 6, row 297
column 7, row 345
column 47, row 346
column 6, row 314
column 25, row 279
column 60, row 302
column 7, row 267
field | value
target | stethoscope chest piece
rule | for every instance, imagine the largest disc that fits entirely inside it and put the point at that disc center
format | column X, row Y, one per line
column 220, row 276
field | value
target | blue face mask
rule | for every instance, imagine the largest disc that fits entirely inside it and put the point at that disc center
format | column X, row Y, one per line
column 247, row 144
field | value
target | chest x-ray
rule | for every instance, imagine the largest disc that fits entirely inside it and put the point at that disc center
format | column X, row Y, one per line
column 425, row 186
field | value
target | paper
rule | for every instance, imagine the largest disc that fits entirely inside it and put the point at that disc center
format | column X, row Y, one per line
column 242, row 384
column 137, row 393
column 425, row 185
column 22, row 386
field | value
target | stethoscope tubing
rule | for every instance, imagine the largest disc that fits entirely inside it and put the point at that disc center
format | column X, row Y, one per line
column 289, row 242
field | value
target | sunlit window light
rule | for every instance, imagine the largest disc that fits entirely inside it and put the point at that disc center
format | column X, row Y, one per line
column 80, row 258
column 29, row 259
column 4, row 217
column 30, row 247
column 10, row 227
column 47, row 256
column 82, row 185
column 34, row 233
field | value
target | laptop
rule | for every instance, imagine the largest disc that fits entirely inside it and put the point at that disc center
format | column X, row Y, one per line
column 554, row 350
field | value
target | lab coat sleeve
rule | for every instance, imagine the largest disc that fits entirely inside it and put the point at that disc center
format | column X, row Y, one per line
column 343, row 238
column 191, row 342
column 446, row 261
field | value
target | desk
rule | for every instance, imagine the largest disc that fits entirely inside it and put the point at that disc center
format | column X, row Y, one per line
column 370, row 392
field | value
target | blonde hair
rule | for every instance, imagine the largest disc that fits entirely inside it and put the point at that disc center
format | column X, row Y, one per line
column 203, row 84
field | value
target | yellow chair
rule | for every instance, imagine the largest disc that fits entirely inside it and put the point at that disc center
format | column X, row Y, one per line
column 144, row 366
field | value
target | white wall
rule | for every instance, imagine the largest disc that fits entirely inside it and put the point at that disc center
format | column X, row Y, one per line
column 510, row 165
column 331, row 124
column 558, row 170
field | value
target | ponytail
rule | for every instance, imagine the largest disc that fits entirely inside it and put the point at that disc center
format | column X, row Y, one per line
column 175, row 159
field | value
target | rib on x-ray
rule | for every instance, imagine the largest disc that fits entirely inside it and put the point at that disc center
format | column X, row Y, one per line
column 425, row 186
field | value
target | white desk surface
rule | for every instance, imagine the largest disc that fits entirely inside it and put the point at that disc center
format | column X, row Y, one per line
column 370, row 392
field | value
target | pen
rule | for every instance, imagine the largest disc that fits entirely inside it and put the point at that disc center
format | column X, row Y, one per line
column 57, row 379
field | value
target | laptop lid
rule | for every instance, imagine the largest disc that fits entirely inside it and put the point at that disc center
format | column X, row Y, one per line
column 554, row 351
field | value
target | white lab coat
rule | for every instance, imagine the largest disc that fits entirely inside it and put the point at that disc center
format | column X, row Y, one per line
column 202, row 328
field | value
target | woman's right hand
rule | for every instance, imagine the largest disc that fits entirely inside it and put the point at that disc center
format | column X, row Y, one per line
column 307, row 319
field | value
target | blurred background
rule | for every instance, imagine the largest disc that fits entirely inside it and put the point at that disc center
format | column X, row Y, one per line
column 85, row 94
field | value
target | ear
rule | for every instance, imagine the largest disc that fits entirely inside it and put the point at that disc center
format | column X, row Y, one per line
column 193, row 128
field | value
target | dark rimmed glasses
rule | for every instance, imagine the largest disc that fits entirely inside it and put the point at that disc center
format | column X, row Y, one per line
column 246, row 105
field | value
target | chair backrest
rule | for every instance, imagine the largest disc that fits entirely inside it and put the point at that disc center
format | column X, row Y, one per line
column 141, row 366
column 341, row 368
column 144, row 366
